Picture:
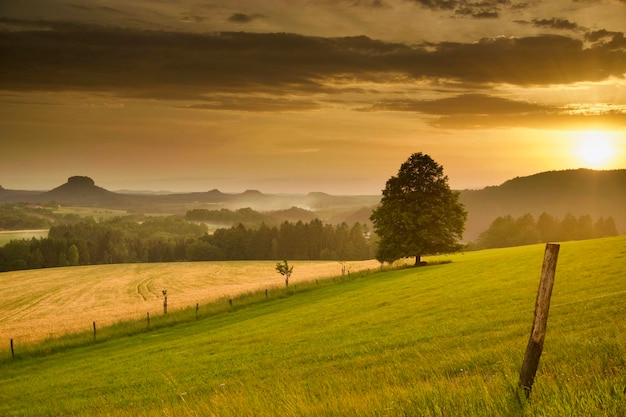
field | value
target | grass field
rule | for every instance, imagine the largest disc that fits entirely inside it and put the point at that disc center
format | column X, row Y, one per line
column 95, row 212
column 41, row 303
column 443, row 340
column 8, row 235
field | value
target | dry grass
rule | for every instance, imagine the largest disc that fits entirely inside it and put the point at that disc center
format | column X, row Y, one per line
column 49, row 302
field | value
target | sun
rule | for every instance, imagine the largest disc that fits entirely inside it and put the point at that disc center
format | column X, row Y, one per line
column 595, row 148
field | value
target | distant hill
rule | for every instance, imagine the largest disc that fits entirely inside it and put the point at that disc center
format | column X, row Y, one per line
column 579, row 192
column 82, row 191
column 79, row 190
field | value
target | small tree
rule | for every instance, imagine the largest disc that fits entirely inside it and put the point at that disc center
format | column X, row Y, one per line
column 419, row 214
column 73, row 256
column 285, row 270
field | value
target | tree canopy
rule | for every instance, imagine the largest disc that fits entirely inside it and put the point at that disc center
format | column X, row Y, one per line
column 419, row 214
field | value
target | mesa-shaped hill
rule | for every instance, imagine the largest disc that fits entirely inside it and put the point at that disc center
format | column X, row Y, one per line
column 80, row 190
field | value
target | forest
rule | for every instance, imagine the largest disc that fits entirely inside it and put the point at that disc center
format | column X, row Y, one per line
column 171, row 239
column 245, row 234
column 506, row 231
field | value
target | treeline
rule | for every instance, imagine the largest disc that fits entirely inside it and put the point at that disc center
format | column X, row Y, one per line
column 132, row 239
column 249, row 217
column 298, row 241
column 507, row 231
column 90, row 242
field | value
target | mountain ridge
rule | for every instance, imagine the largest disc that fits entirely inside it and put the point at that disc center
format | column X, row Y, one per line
column 599, row 193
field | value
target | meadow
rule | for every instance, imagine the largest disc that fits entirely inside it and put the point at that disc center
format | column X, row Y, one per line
column 441, row 340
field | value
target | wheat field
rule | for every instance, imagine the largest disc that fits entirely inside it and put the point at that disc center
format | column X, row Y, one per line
column 43, row 303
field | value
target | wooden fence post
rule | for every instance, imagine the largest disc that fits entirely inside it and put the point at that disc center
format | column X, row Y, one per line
column 94, row 330
column 197, row 308
column 12, row 351
column 542, row 307
column 148, row 317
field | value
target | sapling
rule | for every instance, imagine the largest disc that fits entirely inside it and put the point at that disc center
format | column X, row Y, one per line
column 285, row 270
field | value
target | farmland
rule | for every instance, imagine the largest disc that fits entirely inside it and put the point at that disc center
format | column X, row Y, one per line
column 443, row 340
column 50, row 302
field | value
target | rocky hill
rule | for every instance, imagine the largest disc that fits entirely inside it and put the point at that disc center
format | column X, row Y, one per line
column 79, row 190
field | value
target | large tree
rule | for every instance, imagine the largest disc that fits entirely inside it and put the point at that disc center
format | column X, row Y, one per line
column 419, row 214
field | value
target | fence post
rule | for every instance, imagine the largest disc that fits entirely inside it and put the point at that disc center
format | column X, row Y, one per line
column 542, row 308
column 148, row 317
column 94, row 330
column 197, row 308
column 12, row 351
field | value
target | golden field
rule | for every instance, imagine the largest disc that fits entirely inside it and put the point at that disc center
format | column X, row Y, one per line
column 42, row 303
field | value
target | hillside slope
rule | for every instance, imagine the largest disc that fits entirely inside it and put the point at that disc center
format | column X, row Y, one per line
column 579, row 192
column 440, row 340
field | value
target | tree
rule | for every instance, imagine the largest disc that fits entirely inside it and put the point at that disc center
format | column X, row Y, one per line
column 285, row 270
column 419, row 214
column 73, row 256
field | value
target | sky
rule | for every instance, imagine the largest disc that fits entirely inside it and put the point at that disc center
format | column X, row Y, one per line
column 307, row 95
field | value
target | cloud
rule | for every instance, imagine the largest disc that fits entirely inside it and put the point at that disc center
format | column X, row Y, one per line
column 194, row 16
column 254, row 104
column 472, row 111
column 486, row 9
column 243, row 18
column 177, row 65
column 373, row 4
column 611, row 40
column 476, row 104
column 92, row 9
column 557, row 23
column 556, row 121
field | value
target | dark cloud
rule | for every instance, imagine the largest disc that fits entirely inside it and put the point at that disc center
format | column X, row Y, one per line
column 597, row 35
column 476, row 104
column 94, row 8
column 486, row 9
column 194, row 16
column 610, row 40
column 557, row 23
column 472, row 111
column 254, row 104
column 169, row 64
column 243, row 18
column 374, row 4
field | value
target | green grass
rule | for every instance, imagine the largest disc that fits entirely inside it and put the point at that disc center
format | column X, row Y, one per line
column 95, row 212
column 443, row 340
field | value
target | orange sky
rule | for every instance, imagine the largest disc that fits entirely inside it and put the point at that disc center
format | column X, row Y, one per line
column 303, row 95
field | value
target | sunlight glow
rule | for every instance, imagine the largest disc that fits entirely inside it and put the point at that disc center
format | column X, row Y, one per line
column 595, row 148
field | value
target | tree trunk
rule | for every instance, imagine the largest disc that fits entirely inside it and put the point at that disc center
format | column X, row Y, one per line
column 418, row 260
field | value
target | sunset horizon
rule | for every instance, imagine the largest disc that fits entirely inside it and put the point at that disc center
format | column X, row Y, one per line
column 306, row 96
